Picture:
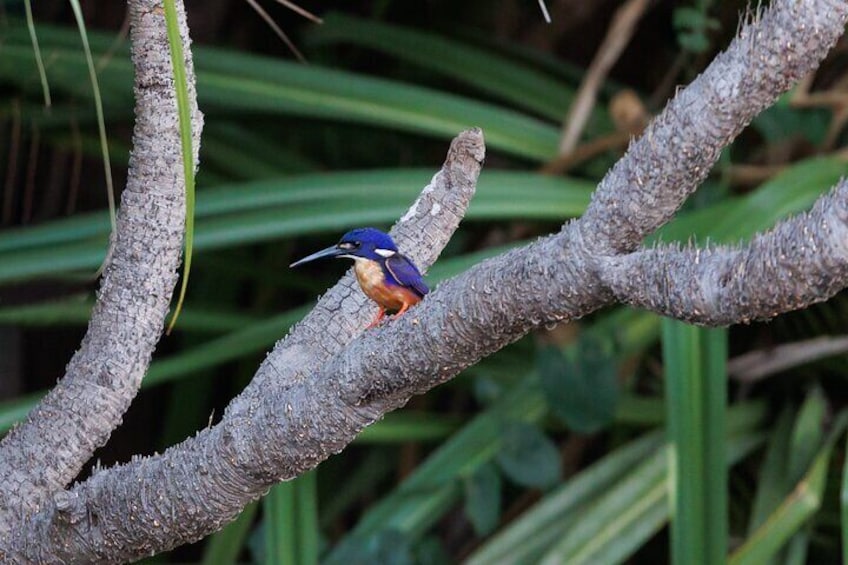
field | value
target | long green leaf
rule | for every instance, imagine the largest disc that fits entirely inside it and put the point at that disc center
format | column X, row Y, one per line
column 515, row 83
column 175, row 43
column 252, row 339
column 224, row 547
column 290, row 523
column 280, row 524
column 543, row 524
column 407, row 426
column 795, row 510
column 696, row 377
column 230, row 81
column 98, row 105
column 259, row 211
column 793, row 447
column 76, row 311
column 433, row 488
column 613, row 510
column 234, row 81
column 307, row 518
column 39, row 62
column 772, row 484
column 310, row 203
column 738, row 218
column 617, row 522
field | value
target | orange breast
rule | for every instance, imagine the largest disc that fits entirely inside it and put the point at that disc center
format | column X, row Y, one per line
column 373, row 282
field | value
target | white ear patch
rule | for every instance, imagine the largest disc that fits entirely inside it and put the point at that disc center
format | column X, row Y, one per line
column 384, row 252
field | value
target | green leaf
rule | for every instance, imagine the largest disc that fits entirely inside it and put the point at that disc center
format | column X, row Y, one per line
column 687, row 17
column 483, row 499
column 76, row 311
column 781, row 122
column 738, row 218
column 614, row 512
column 406, row 426
column 36, row 50
column 807, row 435
column 290, row 522
column 544, row 523
column 278, row 525
column 772, row 484
column 223, row 547
column 175, row 43
column 515, row 83
column 695, row 42
column 581, row 383
column 258, row 211
column 696, row 381
column 386, row 547
column 230, row 82
column 794, row 512
column 528, row 456
column 98, row 105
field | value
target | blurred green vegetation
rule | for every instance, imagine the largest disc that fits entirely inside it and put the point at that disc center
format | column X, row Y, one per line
column 554, row 450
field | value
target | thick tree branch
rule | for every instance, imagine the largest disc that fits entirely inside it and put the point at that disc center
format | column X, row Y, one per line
column 47, row 451
column 801, row 261
column 267, row 433
column 327, row 380
column 678, row 149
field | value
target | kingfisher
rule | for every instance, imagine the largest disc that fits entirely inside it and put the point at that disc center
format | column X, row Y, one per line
column 385, row 275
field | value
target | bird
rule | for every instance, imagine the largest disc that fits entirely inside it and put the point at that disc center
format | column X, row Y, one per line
column 386, row 276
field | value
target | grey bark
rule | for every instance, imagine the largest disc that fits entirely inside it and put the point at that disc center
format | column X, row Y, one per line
column 44, row 453
column 798, row 263
column 328, row 379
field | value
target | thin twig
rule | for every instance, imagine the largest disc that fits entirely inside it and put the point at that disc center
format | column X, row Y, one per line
column 280, row 33
column 119, row 40
column 618, row 36
column 588, row 150
column 545, row 13
column 300, row 11
column 757, row 365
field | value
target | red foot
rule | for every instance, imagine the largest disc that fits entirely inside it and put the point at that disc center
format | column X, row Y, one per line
column 377, row 320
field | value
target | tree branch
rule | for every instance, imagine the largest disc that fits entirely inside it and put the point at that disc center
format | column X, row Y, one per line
column 328, row 379
column 267, row 434
column 799, row 262
column 680, row 146
column 47, row 451
column 756, row 365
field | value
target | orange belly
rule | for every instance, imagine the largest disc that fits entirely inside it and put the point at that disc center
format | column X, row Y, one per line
column 372, row 280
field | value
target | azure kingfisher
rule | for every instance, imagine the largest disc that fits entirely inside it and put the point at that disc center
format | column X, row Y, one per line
column 385, row 275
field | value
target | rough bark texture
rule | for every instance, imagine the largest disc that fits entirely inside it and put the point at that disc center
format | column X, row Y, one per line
column 288, row 420
column 43, row 454
column 678, row 149
column 328, row 379
column 801, row 261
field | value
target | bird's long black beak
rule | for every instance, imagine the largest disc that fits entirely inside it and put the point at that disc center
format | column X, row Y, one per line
column 333, row 251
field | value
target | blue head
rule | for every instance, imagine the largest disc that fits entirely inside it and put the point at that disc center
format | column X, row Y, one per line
column 365, row 243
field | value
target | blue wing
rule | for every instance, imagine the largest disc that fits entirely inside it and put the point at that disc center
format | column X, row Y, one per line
column 405, row 273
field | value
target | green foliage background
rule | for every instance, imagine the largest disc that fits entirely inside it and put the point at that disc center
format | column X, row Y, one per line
column 555, row 450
